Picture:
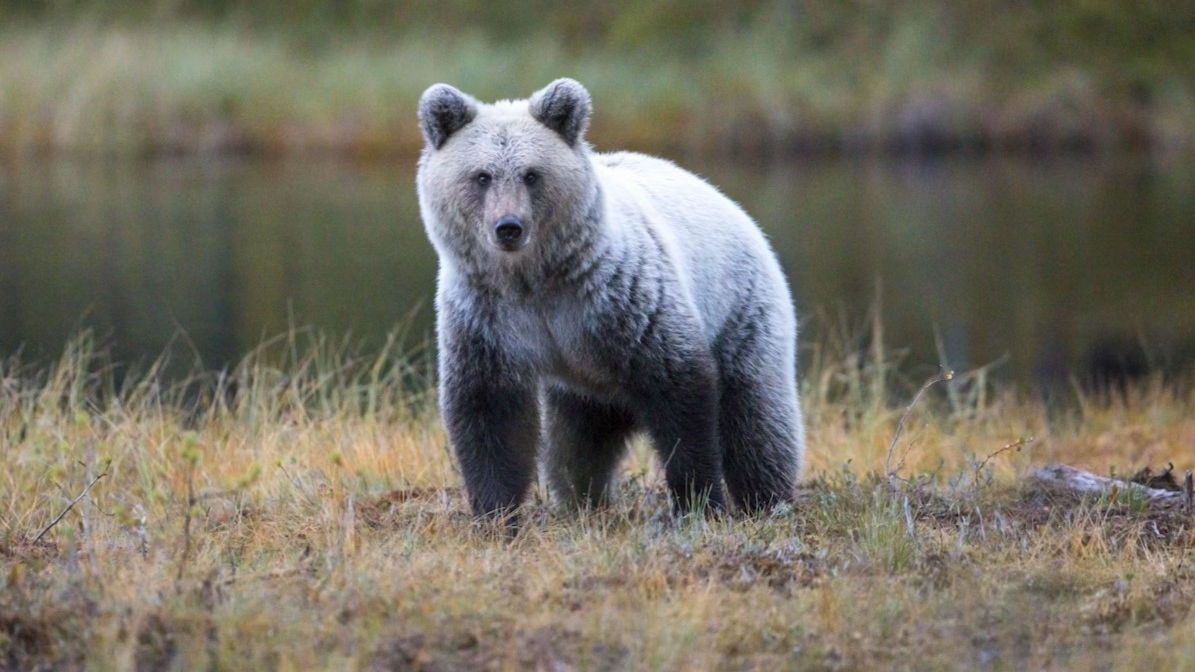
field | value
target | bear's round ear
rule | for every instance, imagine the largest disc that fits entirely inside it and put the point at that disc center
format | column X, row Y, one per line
column 443, row 110
column 563, row 106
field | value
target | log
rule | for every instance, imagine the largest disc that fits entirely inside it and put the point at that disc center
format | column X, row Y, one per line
column 1065, row 477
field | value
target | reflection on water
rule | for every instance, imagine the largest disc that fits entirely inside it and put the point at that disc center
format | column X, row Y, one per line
column 1048, row 263
column 229, row 253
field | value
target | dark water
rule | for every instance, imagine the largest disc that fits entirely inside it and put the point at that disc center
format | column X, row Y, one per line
column 1054, row 266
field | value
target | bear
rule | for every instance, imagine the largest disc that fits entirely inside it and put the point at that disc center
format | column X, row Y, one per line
column 584, row 297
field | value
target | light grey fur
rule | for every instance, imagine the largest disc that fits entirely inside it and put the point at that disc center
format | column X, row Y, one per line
column 639, row 297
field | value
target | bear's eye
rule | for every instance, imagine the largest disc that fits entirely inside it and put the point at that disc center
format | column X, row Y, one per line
column 484, row 179
column 530, row 178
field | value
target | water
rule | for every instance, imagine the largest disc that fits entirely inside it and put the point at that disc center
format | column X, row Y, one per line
column 1049, row 267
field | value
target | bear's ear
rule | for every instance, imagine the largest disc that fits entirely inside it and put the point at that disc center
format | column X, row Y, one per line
column 443, row 110
column 564, row 107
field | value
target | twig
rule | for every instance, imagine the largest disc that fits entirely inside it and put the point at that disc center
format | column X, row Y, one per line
column 142, row 532
column 943, row 374
column 345, row 542
column 182, row 560
column 1015, row 445
column 85, row 513
column 909, row 519
column 69, row 506
column 1189, row 489
column 297, row 483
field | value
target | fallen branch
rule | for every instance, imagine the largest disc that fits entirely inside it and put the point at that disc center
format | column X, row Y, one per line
column 69, row 506
column 1069, row 478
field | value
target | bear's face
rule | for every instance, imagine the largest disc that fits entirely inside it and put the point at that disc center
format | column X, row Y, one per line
column 496, row 181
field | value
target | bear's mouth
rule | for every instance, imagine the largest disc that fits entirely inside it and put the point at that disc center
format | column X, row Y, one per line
column 509, row 246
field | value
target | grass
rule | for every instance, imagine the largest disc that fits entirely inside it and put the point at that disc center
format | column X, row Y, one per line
column 301, row 512
column 752, row 79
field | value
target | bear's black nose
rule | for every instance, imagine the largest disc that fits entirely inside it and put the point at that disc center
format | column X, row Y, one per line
column 508, row 229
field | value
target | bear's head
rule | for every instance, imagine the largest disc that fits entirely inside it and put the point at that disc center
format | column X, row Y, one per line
column 499, row 180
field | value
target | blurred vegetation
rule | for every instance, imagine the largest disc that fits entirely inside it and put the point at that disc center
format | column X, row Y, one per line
column 751, row 77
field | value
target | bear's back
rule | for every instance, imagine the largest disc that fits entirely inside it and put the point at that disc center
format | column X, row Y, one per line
column 724, row 256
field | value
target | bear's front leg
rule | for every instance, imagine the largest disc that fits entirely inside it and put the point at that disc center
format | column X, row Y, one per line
column 490, row 413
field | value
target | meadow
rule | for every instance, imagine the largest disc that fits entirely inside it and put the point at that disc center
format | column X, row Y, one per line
column 301, row 512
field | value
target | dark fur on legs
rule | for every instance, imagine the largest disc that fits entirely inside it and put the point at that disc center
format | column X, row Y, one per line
column 585, row 440
column 758, row 447
column 493, row 424
column 759, row 420
column 681, row 417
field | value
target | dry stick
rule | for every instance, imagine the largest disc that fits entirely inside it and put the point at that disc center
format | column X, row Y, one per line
column 85, row 512
column 347, row 524
column 1017, row 445
column 142, row 533
column 182, row 561
column 943, row 374
column 69, row 506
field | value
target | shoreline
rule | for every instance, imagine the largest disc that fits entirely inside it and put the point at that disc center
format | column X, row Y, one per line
column 195, row 88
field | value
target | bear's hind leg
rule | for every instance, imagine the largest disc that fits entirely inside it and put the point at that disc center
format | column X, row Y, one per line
column 585, row 440
column 760, row 431
column 680, row 412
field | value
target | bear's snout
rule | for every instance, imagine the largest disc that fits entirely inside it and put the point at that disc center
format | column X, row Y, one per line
column 508, row 233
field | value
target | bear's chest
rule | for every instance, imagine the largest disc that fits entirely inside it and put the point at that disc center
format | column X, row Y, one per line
column 567, row 343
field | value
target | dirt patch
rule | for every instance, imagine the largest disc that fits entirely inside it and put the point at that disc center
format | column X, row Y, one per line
column 23, row 548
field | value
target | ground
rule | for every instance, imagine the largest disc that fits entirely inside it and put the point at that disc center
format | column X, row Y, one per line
column 302, row 513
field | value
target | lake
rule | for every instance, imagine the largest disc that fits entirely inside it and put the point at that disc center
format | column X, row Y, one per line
column 1051, row 267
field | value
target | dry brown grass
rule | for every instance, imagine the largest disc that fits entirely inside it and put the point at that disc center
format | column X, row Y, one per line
column 325, row 529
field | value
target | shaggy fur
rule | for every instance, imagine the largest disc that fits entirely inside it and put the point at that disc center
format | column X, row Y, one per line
column 637, row 297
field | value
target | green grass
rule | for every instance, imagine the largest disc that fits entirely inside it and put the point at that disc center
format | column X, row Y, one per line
column 757, row 79
column 302, row 512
